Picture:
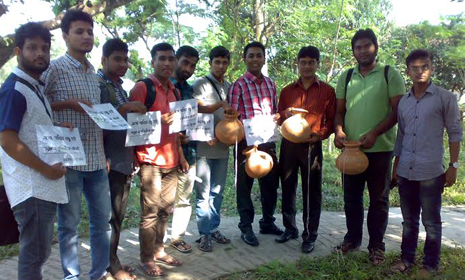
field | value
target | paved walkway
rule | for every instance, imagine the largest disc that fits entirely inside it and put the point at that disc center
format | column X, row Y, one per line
column 238, row 256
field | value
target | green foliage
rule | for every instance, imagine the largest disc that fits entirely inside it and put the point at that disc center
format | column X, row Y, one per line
column 353, row 266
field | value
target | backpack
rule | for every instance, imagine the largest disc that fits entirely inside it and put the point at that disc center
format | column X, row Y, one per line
column 110, row 89
column 152, row 93
column 351, row 71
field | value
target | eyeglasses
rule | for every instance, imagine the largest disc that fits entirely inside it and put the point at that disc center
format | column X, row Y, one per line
column 420, row 69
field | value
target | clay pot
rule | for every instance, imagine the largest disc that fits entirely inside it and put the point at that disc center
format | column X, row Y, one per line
column 258, row 163
column 352, row 161
column 296, row 129
column 230, row 130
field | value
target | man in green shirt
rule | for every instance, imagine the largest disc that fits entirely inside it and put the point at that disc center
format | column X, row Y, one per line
column 366, row 111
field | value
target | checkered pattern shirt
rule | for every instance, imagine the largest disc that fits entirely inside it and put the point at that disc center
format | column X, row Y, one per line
column 65, row 79
column 251, row 96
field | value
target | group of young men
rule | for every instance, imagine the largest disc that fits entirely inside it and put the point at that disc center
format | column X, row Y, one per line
column 367, row 103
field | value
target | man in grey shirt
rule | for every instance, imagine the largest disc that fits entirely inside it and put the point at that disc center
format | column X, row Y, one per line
column 423, row 114
column 212, row 156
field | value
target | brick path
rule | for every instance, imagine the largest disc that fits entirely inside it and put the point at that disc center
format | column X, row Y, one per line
column 238, row 256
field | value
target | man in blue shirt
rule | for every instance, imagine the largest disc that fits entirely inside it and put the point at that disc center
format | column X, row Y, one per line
column 424, row 112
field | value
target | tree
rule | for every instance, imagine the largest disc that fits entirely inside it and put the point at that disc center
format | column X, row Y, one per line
column 60, row 7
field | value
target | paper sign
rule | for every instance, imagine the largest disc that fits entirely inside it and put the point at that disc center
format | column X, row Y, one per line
column 204, row 131
column 185, row 115
column 146, row 129
column 106, row 116
column 59, row 144
column 260, row 129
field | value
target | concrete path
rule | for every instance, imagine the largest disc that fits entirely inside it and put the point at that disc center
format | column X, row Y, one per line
column 238, row 256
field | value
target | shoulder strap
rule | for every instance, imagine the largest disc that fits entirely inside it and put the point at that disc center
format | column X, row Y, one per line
column 386, row 76
column 214, row 86
column 110, row 89
column 151, row 93
column 348, row 77
column 177, row 94
column 35, row 90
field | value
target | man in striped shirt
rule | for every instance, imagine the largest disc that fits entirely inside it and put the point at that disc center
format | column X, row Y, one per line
column 71, row 80
column 319, row 98
column 255, row 94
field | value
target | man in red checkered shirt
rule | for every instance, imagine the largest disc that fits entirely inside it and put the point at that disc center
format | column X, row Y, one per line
column 251, row 95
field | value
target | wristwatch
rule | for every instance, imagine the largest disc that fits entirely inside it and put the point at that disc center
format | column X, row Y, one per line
column 454, row 164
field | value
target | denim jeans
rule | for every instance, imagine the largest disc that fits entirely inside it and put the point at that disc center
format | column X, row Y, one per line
column 424, row 197
column 376, row 177
column 209, row 193
column 96, row 190
column 35, row 218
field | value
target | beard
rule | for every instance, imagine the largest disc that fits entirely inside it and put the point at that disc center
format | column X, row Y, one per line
column 182, row 75
column 30, row 66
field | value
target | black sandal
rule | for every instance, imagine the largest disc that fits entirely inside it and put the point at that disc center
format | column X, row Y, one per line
column 205, row 243
column 219, row 237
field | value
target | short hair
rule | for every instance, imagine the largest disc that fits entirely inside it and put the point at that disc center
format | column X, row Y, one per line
column 75, row 15
column 417, row 54
column 309, row 51
column 113, row 45
column 254, row 44
column 161, row 47
column 219, row 51
column 362, row 34
column 31, row 30
column 187, row 51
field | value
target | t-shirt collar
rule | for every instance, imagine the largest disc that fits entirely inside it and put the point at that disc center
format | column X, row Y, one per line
column 20, row 73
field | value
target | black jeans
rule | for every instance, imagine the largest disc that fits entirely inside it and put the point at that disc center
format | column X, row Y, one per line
column 119, row 190
column 268, row 190
column 424, row 197
column 377, row 177
column 292, row 158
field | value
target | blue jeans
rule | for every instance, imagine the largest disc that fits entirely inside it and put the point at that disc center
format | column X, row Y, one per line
column 96, row 190
column 424, row 197
column 35, row 218
column 209, row 193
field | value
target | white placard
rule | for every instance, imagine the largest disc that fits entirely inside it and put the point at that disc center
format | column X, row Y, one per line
column 106, row 116
column 260, row 129
column 59, row 144
column 146, row 129
column 185, row 115
column 204, row 131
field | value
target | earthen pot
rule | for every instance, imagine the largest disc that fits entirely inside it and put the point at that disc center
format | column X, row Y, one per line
column 352, row 160
column 230, row 130
column 296, row 129
column 258, row 163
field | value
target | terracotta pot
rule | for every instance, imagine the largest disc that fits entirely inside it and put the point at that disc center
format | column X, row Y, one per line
column 258, row 163
column 296, row 129
column 352, row 161
column 230, row 130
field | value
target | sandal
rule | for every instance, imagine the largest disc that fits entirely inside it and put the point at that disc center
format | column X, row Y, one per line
column 151, row 269
column 376, row 256
column 181, row 246
column 205, row 243
column 128, row 268
column 345, row 247
column 168, row 260
column 125, row 275
column 401, row 266
column 219, row 237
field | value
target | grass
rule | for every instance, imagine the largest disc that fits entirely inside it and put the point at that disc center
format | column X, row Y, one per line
column 332, row 197
column 353, row 266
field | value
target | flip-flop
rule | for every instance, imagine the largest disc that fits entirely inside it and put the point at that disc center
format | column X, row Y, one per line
column 181, row 246
column 168, row 260
column 153, row 267
column 128, row 268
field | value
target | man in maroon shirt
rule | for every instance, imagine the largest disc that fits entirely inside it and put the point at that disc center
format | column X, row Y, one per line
column 317, row 97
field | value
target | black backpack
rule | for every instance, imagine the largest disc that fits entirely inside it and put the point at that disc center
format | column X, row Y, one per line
column 9, row 233
column 351, row 71
column 152, row 93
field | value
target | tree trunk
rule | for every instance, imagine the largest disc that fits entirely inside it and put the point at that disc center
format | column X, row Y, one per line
column 7, row 43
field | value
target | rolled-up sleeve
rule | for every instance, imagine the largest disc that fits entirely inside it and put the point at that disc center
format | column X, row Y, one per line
column 453, row 123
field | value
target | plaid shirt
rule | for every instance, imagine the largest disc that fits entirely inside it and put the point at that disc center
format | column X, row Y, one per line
column 67, row 79
column 251, row 96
